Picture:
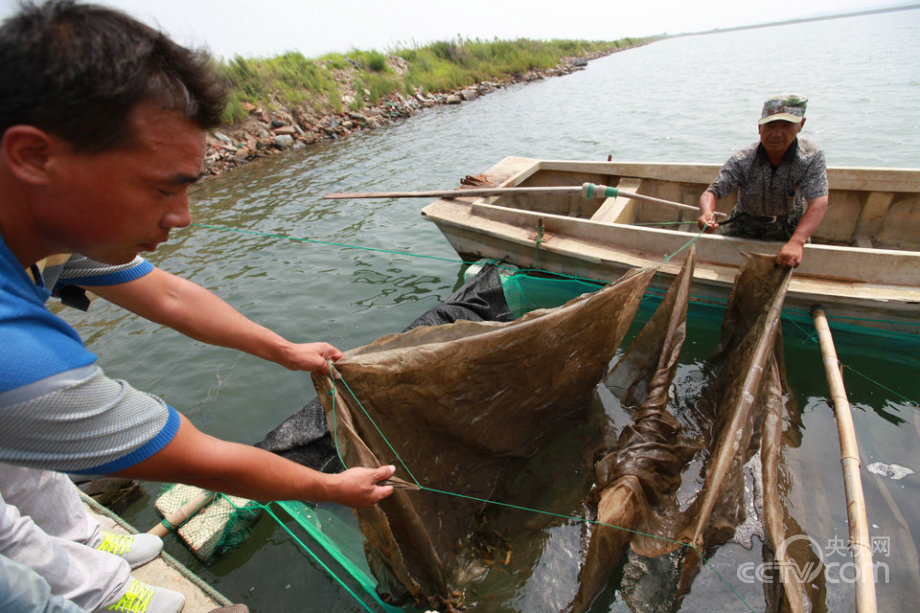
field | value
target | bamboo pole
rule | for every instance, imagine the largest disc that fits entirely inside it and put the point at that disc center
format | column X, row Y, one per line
column 181, row 515
column 587, row 190
column 849, row 459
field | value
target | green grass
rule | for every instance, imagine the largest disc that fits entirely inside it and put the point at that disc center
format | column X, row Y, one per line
column 289, row 79
column 292, row 80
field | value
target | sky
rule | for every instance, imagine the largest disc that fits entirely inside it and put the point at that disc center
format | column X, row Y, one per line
column 266, row 28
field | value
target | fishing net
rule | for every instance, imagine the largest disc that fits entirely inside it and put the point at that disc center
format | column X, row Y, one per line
column 304, row 437
column 640, row 475
column 739, row 418
column 459, row 408
column 217, row 527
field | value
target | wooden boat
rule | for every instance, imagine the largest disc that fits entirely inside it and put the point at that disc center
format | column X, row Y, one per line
column 164, row 570
column 862, row 266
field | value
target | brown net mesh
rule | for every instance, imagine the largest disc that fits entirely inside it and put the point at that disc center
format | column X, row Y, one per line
column 464, row 405
column 459, row 408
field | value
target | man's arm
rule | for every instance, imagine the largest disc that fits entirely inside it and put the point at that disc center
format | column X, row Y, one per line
column 196, row 312
column 195, row 458
column 791, row 253
column 707, row 218
column 727, row 181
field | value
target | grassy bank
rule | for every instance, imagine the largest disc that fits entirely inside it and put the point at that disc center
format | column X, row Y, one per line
column 290, row 102
column 337, row 83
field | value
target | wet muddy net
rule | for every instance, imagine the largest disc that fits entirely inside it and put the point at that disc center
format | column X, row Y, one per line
column 459, row 408
column 304, row 437
column 462, row 408
column 739, row 426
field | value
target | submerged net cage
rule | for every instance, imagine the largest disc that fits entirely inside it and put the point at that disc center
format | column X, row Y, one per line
column 217, row 524
column 475, row 393
column 459, row 408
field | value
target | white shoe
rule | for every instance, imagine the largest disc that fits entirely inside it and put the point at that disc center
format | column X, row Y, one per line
column 143, row 598
column 136, row 549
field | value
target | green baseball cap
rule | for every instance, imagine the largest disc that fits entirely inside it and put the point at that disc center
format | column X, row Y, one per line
column 786, row 107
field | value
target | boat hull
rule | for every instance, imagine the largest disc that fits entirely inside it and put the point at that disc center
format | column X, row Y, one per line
column 867, row 287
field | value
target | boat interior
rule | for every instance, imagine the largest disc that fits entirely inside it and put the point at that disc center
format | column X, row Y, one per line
column 869, row 207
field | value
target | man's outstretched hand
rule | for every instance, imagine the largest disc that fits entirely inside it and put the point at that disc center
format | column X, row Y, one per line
column 360, row 487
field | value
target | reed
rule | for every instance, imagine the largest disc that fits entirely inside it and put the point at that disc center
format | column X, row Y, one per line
column 367, row 76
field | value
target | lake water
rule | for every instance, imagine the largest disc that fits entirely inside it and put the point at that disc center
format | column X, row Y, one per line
column 690, row 99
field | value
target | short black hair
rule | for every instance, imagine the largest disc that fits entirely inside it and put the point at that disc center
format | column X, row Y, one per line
column 77, row 71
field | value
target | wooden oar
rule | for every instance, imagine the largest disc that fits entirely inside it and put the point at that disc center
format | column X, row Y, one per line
column 182, row 514
column 587, row 190
column 849, row 459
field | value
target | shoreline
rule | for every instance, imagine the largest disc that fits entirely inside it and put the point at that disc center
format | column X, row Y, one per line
column 267, row 133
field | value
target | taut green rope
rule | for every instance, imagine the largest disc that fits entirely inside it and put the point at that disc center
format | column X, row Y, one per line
column 316, row 558
column 884, row 387
column 460, row 261
column 329, row 244
column 336, row 375
column 685, row 245
column 535, row 269
column 536, row 244
column 786, row 311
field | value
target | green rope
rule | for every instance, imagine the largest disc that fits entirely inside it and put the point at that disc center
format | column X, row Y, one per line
column 884, row 387
column 536, row 245
column 332, row 392
column 503, row 504
column 660, row 223
column 585, row 520
column 879, row 321
column 811, row 336
column 540, row 230
column 316, row 242
column 687, row 244
column 522, row 270
column 786, row 310
column 316, row 558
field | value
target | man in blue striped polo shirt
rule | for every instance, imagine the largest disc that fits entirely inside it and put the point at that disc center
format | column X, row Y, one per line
column 103, row 129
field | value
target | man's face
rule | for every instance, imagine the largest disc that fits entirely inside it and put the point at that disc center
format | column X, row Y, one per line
column 776, row 136
column 112, row 205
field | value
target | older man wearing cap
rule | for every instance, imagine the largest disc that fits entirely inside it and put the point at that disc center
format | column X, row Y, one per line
column 781, row 182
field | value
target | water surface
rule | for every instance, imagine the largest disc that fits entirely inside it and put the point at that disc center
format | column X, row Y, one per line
column 346, row 272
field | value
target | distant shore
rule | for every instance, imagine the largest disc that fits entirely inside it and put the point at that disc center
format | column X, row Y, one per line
column 786, row 22
column 265, row 132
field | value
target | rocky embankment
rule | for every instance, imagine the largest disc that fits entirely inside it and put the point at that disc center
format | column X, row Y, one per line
column 270, row 132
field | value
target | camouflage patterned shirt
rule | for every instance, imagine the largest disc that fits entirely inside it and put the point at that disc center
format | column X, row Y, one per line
column 766, row 191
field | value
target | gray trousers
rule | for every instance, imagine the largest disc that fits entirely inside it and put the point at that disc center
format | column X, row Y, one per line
column 22, row 590
column 44, row 526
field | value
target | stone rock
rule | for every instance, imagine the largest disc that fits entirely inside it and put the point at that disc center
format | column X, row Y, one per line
column 284, row 141
column 294, row 128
